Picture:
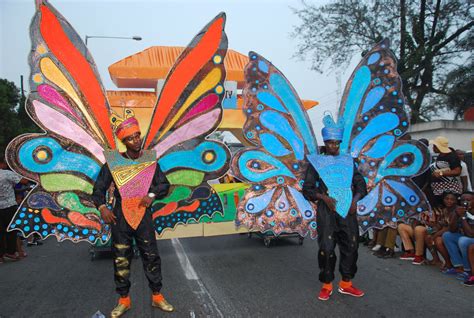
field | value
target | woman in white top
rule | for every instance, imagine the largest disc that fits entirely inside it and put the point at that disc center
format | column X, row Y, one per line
column 465, row 179
column 8, row 206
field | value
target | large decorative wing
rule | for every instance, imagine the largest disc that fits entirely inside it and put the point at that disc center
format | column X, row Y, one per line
column 187, row 111
column 278, row 126
column 67, row 101
column 375, row 121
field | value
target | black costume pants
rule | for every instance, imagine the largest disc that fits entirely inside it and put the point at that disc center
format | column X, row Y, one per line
column 332, row 230
column 7, row 239
column 122, row 240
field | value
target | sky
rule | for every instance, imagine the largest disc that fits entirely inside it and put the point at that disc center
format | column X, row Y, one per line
column 263, row 26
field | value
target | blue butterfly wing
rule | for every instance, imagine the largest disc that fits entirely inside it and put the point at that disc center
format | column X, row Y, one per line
column 375, row 120
column 279, row 128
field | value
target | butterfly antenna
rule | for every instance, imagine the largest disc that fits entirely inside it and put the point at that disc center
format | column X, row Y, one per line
column 39, row 3
column 122, row 104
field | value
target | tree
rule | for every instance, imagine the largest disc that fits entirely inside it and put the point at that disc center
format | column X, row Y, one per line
column 13, row 120
column 9, row 122
column 430, row 38
column 459, row 90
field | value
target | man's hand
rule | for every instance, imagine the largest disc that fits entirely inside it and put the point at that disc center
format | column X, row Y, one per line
column 353, row 207
column 146, row 201
column 107, row 215
column 461, row 211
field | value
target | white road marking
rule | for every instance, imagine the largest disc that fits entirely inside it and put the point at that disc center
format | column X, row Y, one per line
column 192, row 275
column 184, row 260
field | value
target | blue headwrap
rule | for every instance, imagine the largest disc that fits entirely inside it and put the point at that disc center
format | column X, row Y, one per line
column 331, row 130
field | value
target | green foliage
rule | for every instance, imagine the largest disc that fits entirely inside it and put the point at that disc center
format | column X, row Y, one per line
column 459, row 88
column 430, row 39
column 14, row 120
column 9, row 121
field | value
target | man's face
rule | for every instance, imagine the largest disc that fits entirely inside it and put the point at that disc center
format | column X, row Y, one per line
column 133, row 142
column 469, row 198
column 460, row 154
column 332, row 147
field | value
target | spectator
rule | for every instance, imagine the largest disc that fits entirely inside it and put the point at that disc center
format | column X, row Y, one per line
column 444, row 170
column 373, row 241
column 461, row 235
column 437, row 225
column 8, row 207
column 386, row 239
column 469, row 282
column 465, row 180
column 423, row 180
column 409, row 232
column 21, row 190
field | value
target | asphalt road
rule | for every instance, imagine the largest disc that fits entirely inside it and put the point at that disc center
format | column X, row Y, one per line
column 227, row 276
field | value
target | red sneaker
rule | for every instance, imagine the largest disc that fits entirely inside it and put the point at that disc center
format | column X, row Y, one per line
column 408, row 256
column 352, row 291
column 11, row 257
column 324, row 294
column 419, row 260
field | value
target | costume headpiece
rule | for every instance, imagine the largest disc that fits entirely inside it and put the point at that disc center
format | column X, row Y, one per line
column 124, row 127
column 331, row 130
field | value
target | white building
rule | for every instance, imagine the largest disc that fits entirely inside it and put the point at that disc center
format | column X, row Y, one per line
column 460, row 133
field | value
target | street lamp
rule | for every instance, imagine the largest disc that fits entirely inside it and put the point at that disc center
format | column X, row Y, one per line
column 136, row 37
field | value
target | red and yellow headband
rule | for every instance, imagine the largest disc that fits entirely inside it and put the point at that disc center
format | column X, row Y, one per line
column 124, row 128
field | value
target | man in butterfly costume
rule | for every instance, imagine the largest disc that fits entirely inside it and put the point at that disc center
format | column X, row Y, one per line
column 333, row 181
column 138, row 180
column 370, row 129
column 77, row 150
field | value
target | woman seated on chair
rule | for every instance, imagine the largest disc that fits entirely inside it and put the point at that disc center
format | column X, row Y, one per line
column 428, row 232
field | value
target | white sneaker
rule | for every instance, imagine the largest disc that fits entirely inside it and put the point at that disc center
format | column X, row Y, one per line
column 376, row 247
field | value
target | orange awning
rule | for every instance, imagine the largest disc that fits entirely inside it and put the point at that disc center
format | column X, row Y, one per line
column 143, row 102
column 131, row 99
column 144, row 69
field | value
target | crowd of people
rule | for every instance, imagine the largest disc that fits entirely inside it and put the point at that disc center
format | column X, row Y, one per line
column 444, row 237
